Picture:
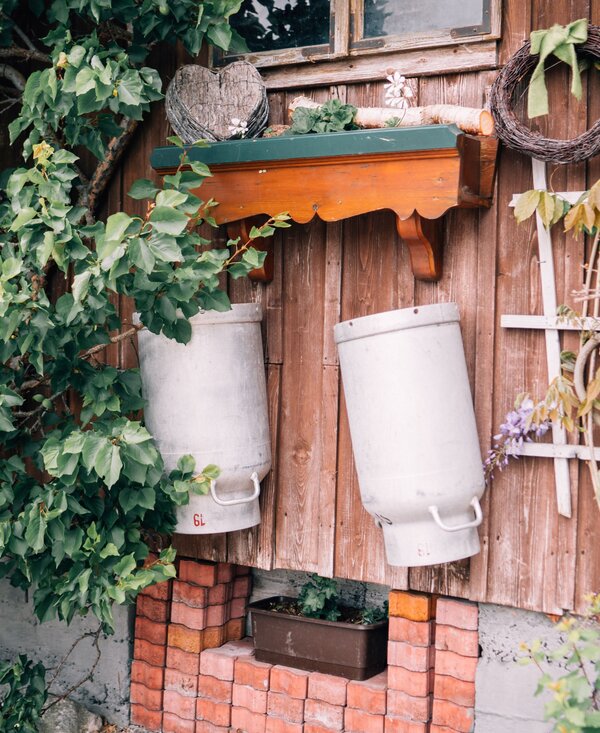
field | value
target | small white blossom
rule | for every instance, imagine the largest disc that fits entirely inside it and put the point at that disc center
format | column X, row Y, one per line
column 398, row 91
column 238, row 127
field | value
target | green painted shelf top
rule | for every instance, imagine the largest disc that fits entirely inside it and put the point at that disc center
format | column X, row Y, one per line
column 324, row 145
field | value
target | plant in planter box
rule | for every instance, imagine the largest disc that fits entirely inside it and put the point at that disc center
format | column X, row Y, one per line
column 317, row 632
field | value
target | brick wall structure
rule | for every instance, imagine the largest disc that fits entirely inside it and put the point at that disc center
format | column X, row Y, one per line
column 193, row 672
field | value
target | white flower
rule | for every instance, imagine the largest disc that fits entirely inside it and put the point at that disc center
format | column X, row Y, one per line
column 398, row 91
column 238, row 127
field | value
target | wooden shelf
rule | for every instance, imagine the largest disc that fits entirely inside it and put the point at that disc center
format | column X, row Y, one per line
column 417, row 172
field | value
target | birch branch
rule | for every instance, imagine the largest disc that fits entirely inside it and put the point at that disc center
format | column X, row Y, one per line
column 468, row 119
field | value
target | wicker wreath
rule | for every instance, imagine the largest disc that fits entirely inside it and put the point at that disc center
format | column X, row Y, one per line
column 516, row 135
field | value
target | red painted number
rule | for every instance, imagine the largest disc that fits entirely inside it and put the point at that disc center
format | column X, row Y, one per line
column 199, row 520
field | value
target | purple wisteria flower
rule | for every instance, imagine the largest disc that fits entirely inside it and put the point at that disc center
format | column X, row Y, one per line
column 518, row 427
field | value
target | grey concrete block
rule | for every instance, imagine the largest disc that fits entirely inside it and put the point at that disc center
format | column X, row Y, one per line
column 21, row 633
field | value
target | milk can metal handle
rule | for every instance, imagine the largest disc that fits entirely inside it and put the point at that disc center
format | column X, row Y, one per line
column 231, row 502
column 475, row 523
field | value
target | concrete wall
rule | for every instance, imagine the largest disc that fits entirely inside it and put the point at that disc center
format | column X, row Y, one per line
column 108, row 693
column 505, row 701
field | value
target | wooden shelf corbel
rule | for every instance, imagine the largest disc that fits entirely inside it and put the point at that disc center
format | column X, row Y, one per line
column 417, row 172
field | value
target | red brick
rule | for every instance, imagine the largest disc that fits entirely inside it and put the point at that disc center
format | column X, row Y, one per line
column 225, row 572
column 413, row 606
column 141, row 695
column 415, row 658
column 241, row 587
column 440, row 729
column 150, row 719
column 407, row 706
column 237, row 607
column 184, row 684
column 186, row 662
column 242, row 570
column 159, row 591
column 195, row 596
column 277, row 725
column 153, row 654
column 461, row 641
column 151, row 631
column 461, row 614
column 248, row 697
column 192, row 618
column 236, row 628
column 322, row 713
column 327, row 687
column 368, row 695
column 174, row 724
column 218, row 690
column 413, row 683
column 201, row 573
column 217, row 615
column 188, row 640
column 180, row 705
column 357, row 721
column 457, row 717
column 203, row 726
column 250, row 672
column 314, row 728
column 220, row 662
column 248, row 721
column 218, row 713
column 214, row 636
column 401, row 725
column 283, row 706
column 457, row 691
column 147, row 675
column 455, row 665
column 292, row 682
column 152, row 608
column 219, row 594
column 417, row 633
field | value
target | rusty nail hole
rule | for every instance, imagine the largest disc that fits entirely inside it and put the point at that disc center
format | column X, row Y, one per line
column 416, row 310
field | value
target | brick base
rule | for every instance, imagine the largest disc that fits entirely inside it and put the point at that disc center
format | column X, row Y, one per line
column 192, row 671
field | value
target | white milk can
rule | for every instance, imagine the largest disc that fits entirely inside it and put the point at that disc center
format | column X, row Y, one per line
column 208, row 398
column 413, row 431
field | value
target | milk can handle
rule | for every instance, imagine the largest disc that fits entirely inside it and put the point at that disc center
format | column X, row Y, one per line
column 475, row 523
column 231, row 502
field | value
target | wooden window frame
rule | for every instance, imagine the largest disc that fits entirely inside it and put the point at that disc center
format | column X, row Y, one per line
column 347, row 55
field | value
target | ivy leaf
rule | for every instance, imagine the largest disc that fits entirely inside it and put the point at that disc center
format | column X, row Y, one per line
column 168, row 221
column 81, row 284
column 143, row 188
column 36, row 530
column 526, row 204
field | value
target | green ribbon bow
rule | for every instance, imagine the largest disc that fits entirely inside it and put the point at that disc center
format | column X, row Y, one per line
column 559, row 40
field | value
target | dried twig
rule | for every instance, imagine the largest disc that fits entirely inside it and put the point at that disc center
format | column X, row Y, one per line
column 13, row 75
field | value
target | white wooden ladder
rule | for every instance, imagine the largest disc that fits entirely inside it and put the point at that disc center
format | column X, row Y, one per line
column 560, row 450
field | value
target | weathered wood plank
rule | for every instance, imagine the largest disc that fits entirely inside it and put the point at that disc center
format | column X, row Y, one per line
column 448, row 59
column 301, row 423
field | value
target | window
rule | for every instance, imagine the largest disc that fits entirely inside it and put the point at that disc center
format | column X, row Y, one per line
column 280, row 32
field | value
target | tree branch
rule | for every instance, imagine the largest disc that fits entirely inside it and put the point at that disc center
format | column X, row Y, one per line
column 13, row 75
column 16, row 52
column 104, row 172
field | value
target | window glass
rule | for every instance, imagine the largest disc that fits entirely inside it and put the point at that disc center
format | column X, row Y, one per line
column 270, row 25
column 403, row 17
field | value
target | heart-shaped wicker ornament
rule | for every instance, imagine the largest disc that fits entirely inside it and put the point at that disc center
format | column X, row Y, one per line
column 217, row 105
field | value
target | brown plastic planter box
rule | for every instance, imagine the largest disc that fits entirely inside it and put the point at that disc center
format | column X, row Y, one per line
column 355, row 651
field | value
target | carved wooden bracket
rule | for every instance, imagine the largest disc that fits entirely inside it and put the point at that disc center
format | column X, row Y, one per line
column 419, row 173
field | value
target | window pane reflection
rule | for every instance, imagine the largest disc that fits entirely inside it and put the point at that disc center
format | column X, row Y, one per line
column 403, row 17
column 269, row 25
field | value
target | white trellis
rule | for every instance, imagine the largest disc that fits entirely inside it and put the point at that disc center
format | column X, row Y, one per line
column 559, row 450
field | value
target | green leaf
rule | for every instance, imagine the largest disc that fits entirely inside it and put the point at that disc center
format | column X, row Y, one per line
column 23, row 217
column 168, row 221
column 220, row 35
column 81, row 284
column 36, row 530
column 143, row 188
column 116, row 226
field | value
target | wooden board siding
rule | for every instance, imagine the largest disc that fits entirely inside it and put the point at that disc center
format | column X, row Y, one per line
column 312, row 515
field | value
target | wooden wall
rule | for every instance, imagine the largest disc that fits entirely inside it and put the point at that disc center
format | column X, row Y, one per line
column 312, row 516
